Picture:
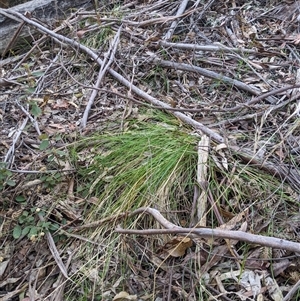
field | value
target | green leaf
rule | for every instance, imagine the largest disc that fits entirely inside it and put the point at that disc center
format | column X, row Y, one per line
column 33, row 231
column 35, row 110
column 38, row 73
column 30, row 90
column 44, row 144
column 43, row 178
column 51, row 158
column 17, row 232
column 61, row 153
column 46, row 225
column 20, row 198
column 53, row 227
column 42, row 213
column 30, row 219
column 23, row 217
column 26, row 230
column 11, row 183
column 43, row 137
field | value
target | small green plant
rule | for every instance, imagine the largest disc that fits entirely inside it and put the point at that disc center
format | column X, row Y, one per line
column 45, row 142
column 28, row 226
column 56, row 159
column 35, row 110
column 5, row 176
column 158, row 79
column 100, row 39
column 53, row 153
column 50, row 180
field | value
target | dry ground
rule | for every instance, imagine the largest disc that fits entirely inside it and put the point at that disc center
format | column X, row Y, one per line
column 227, row 73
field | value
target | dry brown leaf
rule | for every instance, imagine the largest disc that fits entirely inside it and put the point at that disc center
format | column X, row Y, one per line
column 122, row 296
column 178, row 246
column 221, row 161
column 80, row 33
column 61, row 104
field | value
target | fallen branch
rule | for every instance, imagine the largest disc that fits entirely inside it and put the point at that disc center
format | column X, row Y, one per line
column 47, row 11
column 210, row 74
column 267, row 241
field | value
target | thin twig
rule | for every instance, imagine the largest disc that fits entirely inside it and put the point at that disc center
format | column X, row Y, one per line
column 291, row 293
column 106, row 64
column 34, row 122
column 54, row 251
column 259, row 112
column 8, row 158
column 196, row 47
column 173, row 26
column 41, row 171
column 209, row 74
column 263, row 96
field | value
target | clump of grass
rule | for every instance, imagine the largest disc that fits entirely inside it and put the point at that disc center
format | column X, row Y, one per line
column 148, row 165
column 153, row 163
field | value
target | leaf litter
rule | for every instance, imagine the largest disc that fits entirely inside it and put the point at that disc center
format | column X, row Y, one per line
column 186, row 107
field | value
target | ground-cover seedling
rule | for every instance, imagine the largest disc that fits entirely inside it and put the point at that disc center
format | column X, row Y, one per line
column 29, row 225
column 5, row 177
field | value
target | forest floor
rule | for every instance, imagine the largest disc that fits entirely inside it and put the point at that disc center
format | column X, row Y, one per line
column 150, row 150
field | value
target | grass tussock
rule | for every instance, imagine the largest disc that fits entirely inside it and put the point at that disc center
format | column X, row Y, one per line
column 153, row 163
column 149, row 165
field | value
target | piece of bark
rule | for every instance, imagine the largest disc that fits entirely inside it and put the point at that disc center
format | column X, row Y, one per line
column 46, row 11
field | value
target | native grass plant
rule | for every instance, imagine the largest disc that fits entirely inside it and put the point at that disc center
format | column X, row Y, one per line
column 151, row 164
column 154, row 163
column 96, row 41
column 141, row 167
